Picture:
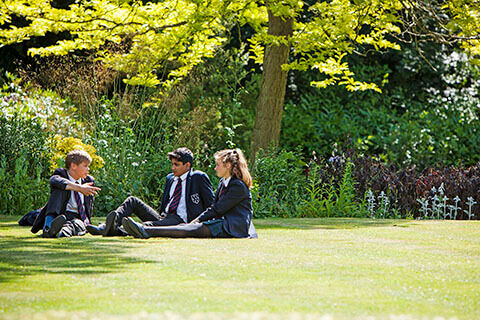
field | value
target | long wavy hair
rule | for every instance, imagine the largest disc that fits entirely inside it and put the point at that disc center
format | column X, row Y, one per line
column 238, row 164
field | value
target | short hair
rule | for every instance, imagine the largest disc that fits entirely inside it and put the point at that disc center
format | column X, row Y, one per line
column 182, row 154
column 77, row 157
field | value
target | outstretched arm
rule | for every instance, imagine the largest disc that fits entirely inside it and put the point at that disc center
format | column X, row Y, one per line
column 87, row 189
column 59, row 182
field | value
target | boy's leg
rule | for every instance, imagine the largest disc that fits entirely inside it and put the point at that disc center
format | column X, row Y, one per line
column 72, row 227
column 48, row 221
column 53, row 225
column 53, row 211
column 113, row 222
column 133, row 205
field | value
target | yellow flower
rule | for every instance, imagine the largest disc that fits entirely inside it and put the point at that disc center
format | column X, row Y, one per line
column 61, row 146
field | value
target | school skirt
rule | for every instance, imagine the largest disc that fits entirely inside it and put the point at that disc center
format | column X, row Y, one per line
column 216, row 228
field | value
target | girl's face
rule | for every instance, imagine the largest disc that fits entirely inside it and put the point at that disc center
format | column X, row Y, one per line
column 223, row 170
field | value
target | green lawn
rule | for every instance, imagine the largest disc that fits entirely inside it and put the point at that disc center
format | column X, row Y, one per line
column 297, row 269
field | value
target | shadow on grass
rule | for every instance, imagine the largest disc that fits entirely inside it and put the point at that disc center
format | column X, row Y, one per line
column 327, row 223
column 30, row 255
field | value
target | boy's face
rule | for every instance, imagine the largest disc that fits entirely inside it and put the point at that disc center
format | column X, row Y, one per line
column 179, row 168
column 80, row 170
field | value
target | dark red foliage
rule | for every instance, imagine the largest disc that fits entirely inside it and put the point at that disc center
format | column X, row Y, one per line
column 405, row 186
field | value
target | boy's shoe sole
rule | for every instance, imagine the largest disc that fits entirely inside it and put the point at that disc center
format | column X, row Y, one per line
column 134, row 229
column 110, row 225
column 55, row 227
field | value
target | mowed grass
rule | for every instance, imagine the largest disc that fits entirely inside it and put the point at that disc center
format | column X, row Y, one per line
column 297, row 269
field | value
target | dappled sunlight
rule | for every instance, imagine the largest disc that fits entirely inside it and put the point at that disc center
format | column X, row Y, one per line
column 31, row 255
column 324, row 268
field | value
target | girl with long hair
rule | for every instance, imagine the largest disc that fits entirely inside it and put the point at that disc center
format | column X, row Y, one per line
column 230, row 214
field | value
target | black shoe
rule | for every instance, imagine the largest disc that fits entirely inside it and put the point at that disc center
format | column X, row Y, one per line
column 96, row 230
column 121, row 232
column 110, row 225
column 134, row 229
column 55, row 227
column 127, row 228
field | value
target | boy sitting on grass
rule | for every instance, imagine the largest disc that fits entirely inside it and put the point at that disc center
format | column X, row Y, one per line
column 70, row 205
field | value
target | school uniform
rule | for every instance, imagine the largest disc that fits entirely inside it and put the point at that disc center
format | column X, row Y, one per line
column 63, row 202
column 231, row 213
column 193, row 198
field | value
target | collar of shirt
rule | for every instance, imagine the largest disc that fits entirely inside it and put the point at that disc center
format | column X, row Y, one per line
column 226, row 181
column 79, row 181
column 183, row 176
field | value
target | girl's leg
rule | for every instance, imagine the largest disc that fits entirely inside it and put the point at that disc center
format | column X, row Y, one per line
column 197, row 230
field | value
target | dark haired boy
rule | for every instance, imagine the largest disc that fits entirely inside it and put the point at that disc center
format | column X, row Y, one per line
column 186, row 195
column 70, row 205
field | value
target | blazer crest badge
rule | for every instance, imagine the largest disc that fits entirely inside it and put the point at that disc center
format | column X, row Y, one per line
column 195, row 198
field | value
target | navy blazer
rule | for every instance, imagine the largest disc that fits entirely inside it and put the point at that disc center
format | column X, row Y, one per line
column 235, row 207
column 59, row 197
column 198, row 193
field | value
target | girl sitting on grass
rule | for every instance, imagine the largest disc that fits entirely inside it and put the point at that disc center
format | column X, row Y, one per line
column 230, row 214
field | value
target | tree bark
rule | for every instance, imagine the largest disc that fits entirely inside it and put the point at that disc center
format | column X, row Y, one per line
column 268, row 119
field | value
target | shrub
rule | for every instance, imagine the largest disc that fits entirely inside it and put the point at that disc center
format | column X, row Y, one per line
column 135, row 160
column 422, row 118
column 61, row 146
column 52, row 113
column 449, row 193
column 23, row 165
column 278, row 184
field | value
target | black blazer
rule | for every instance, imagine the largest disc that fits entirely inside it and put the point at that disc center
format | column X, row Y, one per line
column 198, row 193
column 59, row 197
column 235, row 207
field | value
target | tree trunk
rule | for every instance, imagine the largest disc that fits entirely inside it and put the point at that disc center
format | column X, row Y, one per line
column 268, row 119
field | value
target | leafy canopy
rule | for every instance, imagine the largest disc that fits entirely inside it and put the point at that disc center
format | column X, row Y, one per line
column 164, row 40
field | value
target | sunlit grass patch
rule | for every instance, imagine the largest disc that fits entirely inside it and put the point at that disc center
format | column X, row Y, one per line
column 297, row 269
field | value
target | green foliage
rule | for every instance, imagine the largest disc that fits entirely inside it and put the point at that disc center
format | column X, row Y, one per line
column 167, row 39
column 345, row 204
column 180, row 31
column 53, row 113
column 320, row 196
column 278, row 184
column 20, row 190
column 421, row 119
column 24, row 159
column 135, row 158
column 224, row 88
column 28, row 119
column 327, row 199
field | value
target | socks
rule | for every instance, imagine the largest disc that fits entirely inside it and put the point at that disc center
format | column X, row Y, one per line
column 48, row 222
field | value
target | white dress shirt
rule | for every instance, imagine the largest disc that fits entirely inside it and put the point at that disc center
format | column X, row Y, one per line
column 182, row 205
column 226, row 181
column 72, row 203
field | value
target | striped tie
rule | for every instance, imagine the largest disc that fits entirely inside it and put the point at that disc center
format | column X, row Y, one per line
column 81, row 209
column 175, row 200
column 222, row 191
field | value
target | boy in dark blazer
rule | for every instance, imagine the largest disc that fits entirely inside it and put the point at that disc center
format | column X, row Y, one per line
column 230, row 216
column 187, row 193
column 70, row 205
